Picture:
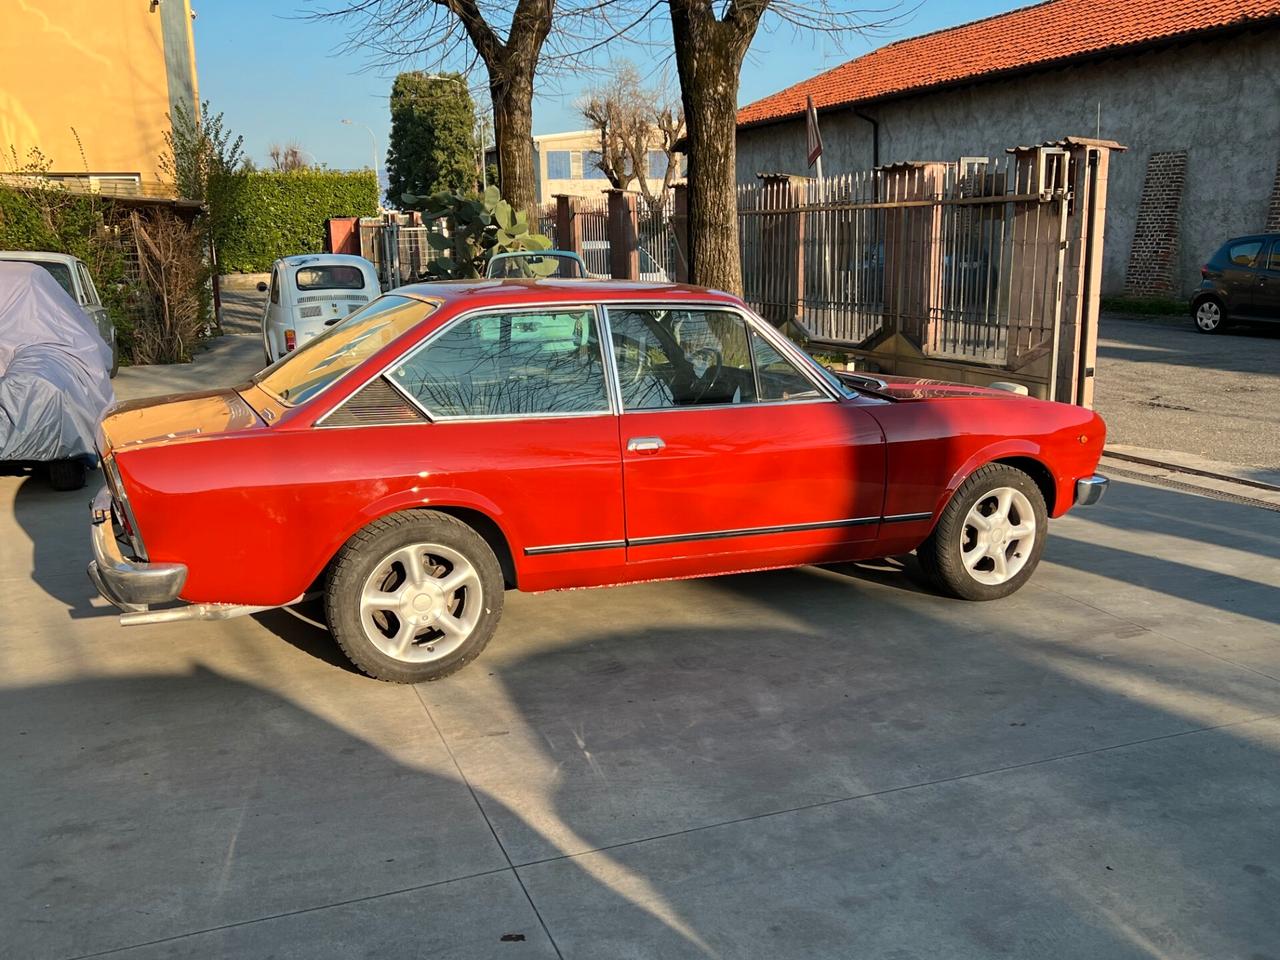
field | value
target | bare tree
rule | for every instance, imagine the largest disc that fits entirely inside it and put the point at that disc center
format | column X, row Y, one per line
column 286, row 158
column 711, row 39
column 631, row 120
column 506, row 36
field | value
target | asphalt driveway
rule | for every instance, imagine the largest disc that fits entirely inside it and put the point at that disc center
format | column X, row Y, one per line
column 815, row 763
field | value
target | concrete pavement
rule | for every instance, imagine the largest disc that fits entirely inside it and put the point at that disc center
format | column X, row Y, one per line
column 1162, row 385
column 814, row 763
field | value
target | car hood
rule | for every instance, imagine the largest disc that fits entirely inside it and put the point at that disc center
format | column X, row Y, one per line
column 919, row 388
column 176, row 417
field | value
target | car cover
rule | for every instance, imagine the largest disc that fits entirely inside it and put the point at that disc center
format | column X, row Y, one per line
column 54, row 381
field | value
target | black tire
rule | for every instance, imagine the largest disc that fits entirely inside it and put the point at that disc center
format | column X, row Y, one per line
column 942, row 555
column 67, row 474
column 368, row 550
column 1209, row 314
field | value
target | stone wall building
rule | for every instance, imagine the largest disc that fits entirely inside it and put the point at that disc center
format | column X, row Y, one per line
column 1191, row 87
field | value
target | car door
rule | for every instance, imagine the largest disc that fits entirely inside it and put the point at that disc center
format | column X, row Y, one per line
column 523, row 417
column 1266, row 301
column 729, row 448
column 272, row 332
column 1241, row 275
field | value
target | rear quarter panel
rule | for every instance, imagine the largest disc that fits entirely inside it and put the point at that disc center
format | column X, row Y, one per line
column 257, row 517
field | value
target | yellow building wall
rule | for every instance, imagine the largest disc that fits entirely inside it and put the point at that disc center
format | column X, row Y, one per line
column 578, row 143
column 95, row 67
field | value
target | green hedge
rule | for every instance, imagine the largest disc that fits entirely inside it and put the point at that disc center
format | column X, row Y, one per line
column 53, row 220
column 260, row 216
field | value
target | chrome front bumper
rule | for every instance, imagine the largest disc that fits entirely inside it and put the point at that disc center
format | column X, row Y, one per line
column 129, row 584
column 1090, row 489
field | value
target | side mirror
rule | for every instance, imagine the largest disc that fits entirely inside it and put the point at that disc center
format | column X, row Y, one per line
column 262, row 286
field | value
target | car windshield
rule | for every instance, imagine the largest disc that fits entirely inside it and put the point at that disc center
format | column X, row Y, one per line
column 59, row 271
column 330, row 277
column 299, row 376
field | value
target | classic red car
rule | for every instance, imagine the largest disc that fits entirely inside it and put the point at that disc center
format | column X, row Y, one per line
column 451, row 441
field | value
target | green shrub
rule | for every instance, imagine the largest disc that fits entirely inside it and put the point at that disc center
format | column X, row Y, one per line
column 44, row 217
column 257, row 217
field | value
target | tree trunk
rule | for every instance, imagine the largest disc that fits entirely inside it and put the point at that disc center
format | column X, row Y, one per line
column 708, row 58
column 512, row 93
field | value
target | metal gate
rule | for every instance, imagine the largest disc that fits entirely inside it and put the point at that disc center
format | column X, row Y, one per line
column 973, row 269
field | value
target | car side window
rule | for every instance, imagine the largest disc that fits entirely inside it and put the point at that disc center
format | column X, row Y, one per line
column 510, row 364
column 1245, row 254
column 777, row 376
column 86, row 282
column 681, row 358
column 275, row 286
column 1272, row 263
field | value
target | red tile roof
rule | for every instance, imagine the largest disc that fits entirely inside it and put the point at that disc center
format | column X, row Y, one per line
column 1048, row 33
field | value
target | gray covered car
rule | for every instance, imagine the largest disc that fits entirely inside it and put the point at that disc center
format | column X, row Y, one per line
column 54, row 376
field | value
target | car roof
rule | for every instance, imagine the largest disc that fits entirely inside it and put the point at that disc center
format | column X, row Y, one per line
column 41, row 256
column 311, row 259
column 1254, row 236
column 484, row 293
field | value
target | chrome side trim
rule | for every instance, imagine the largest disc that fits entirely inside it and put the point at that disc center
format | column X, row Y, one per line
column 906, row 517
column 573, row 547
column 1089, row 490
column 751, row 531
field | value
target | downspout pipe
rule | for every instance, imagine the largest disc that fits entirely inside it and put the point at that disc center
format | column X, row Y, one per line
column 875, row 135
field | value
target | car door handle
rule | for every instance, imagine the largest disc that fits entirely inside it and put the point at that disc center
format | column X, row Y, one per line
column 645, row 444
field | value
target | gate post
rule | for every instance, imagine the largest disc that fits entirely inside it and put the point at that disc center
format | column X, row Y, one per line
column 567, row 237
column 1082, row 275
column 624, row 245
column 680, row 229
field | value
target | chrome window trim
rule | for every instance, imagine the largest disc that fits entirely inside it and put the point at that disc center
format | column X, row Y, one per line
column 612, row 381
column 752, row 322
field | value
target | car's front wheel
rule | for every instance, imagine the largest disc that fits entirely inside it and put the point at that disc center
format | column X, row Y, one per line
column 989, row 538
column 414, row 596
column 1209, row 315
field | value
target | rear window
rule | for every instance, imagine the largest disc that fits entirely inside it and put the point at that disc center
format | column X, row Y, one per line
column 330, row 277
column 59, row 271
column 297, row 377
column 1244, row 254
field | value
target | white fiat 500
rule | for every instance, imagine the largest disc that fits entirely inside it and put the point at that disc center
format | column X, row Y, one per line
column 310, row 293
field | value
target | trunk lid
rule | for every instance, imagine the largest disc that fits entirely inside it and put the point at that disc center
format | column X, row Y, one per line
column 176, row 417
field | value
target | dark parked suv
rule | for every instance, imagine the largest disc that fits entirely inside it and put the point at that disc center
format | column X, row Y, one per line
column 1241, row 282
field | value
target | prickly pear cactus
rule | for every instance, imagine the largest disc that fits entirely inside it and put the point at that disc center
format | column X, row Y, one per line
column 474, row 229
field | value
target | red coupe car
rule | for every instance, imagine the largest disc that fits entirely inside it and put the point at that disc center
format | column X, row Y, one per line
column 450, row 441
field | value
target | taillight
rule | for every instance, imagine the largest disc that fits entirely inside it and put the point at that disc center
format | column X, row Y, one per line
column 1204, row 272
column 290, row 340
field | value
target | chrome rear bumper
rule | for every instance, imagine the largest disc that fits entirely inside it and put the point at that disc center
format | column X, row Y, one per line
column 130, row 585
column 1090, row 489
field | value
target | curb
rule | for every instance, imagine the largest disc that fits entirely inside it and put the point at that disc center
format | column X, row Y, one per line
column 1192, row 471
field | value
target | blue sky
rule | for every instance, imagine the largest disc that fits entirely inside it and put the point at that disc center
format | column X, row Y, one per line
column 280, row 79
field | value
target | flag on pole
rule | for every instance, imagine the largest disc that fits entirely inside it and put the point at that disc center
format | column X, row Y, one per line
column 813, row 136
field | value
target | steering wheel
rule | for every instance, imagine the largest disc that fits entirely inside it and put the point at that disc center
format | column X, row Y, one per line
column 712, row 363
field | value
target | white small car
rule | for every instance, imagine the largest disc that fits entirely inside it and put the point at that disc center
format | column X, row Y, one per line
column 310, row 293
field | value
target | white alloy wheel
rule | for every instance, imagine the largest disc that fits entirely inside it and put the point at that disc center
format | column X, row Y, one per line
column 997, row 536
column 421, row 602
column 1209, row 316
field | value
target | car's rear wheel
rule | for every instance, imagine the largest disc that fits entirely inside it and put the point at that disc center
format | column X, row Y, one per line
column 67, row 474
column 414, row 596
column 989, row 538
column 1209, row 315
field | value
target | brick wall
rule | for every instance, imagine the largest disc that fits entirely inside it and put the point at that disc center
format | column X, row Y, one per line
column 1273, row 208
column 1154, row 255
